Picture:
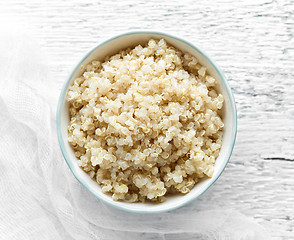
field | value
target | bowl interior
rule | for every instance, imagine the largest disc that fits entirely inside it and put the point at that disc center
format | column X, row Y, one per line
column 228, row 113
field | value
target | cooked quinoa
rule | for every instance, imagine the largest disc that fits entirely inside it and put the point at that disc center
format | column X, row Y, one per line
column 145, row 122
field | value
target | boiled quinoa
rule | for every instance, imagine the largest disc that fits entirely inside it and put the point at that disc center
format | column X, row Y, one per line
column 145, row 122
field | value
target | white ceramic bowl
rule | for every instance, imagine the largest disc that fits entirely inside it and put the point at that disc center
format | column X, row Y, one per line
column 113, row 46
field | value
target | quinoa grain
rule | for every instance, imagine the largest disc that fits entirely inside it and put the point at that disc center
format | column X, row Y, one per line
column 145, row 122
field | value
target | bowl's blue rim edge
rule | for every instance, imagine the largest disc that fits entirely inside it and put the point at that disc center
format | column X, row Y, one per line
column 218, row 70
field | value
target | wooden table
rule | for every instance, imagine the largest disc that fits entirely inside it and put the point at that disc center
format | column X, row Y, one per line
column 252, row 41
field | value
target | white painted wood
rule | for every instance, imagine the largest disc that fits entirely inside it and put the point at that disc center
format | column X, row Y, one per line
column 253, row 43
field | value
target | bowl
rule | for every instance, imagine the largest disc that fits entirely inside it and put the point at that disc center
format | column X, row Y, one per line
column 113, row 46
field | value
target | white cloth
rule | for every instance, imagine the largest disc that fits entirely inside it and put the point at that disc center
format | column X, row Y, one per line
column 40, row 198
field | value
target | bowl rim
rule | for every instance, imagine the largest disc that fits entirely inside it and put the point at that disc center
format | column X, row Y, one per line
column 163, row 34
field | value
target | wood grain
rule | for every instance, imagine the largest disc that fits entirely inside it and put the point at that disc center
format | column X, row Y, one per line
column 253, row 43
